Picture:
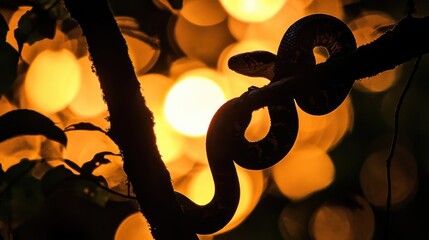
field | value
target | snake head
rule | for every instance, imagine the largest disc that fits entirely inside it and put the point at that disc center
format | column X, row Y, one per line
column 254, row 64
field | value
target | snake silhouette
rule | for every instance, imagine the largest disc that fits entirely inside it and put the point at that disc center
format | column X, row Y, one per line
column 225, row 140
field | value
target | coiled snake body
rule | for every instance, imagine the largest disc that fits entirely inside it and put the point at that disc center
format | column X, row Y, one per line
column 225, row 137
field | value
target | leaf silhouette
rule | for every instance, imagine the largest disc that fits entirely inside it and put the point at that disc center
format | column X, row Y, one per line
column 55, row 178
column 28, row 122
column 17, row 171
column 72, row 165
column 3, row 29
column 83, row 126
column 33, row 27
column 9, row 58
column 96, row 161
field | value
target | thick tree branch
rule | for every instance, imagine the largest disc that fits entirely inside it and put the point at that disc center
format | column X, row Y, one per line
column 131, row 120
column 407, row 40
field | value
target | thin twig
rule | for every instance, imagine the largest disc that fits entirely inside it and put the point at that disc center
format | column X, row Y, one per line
column 393, row 145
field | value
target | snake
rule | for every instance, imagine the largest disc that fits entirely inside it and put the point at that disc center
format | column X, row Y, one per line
column 225, row 138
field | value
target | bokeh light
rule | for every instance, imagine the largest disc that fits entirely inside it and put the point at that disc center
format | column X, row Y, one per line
column 203, row 12
column 83, row 145
column 142, row 54
column 367, row 28
column 201, row 190
column 270, row 30
column 303, row 171
column 373, row 177
column 334, row 8
column 191, row 104
column 210, row 42
column 338, row 222
column 325, row 131
column 52, row 81
column 134, row 227
column 294, row 220
column 252, row 10
column 89, row 100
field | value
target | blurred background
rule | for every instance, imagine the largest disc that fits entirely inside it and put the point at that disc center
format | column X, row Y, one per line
column 332, row 185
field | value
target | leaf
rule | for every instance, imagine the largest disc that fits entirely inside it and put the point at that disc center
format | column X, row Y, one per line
column 4, row 28
column 90, row 190
column 40, row 22
column 96, row 161
column 28, row 122
column 26, row 199
column 73, row 165
column 9, row 58
column 55, row 8
column 84, row 126
column 55, row 177
column 34, row 26
column 21, row 195
column 18, row 170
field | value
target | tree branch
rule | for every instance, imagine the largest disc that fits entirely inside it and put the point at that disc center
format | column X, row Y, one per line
column 407, row 40
column 131, row 120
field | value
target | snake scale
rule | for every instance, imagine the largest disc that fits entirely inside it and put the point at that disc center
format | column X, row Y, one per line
column 225, row 140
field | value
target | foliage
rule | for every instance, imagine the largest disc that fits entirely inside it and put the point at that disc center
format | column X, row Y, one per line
column 8, row 59
column 25, row 186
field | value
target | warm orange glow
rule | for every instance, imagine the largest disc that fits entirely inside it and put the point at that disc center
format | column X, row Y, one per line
column 5, row 105
column 191, row 104
column 334, row 8
column 13, row 24
column 179, row 168
column 203, row 12
column 259, row 125
column 325, row 131
column 271, row 30
column 195, row 148
column 183, row 65
column 331, row 222
column 17, row 148
column 206, row 47
column 252, row 10
column 303, row 171
column 142, row 55
column 251, row 188
column 89, row 100
column 366, row 29
column 293, row 220
column 169, row 142
column 320, row 54
column 134, row 227
column 373, row 178
column 83, row 145
column 201, row 189
column 52, row 81
column 338, row 222
column 154, row 88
